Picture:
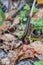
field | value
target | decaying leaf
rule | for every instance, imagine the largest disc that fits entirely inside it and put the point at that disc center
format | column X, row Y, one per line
column 7, row 37
column 38, row 47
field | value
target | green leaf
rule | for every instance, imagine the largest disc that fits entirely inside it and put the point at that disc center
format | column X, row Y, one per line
column 27, row 7
column 38, row 24
column 21, row 18
column 33, row 22
column 2, row 22
column 38, row 63
column 20, row 34
column 35, row 10
column 25, row 19
column 23, row 13
column 2, row 17
column 21, row 25
column 42, row 30
column 41, row 62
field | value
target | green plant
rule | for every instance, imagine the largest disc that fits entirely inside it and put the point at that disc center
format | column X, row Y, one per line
column 2, row 17
column 27, row 7
column 38, row 63
column 35, row 10
column 21, row 25
column 23, row 16
column 38, row 24
column 24, row 12
column 20, row 34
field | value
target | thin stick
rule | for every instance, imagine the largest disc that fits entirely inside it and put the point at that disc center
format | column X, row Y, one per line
column 31, row 13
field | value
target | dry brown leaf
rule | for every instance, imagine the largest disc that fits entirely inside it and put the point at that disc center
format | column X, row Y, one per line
column 7, row 37
column 38, row 47
column 27, row 52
